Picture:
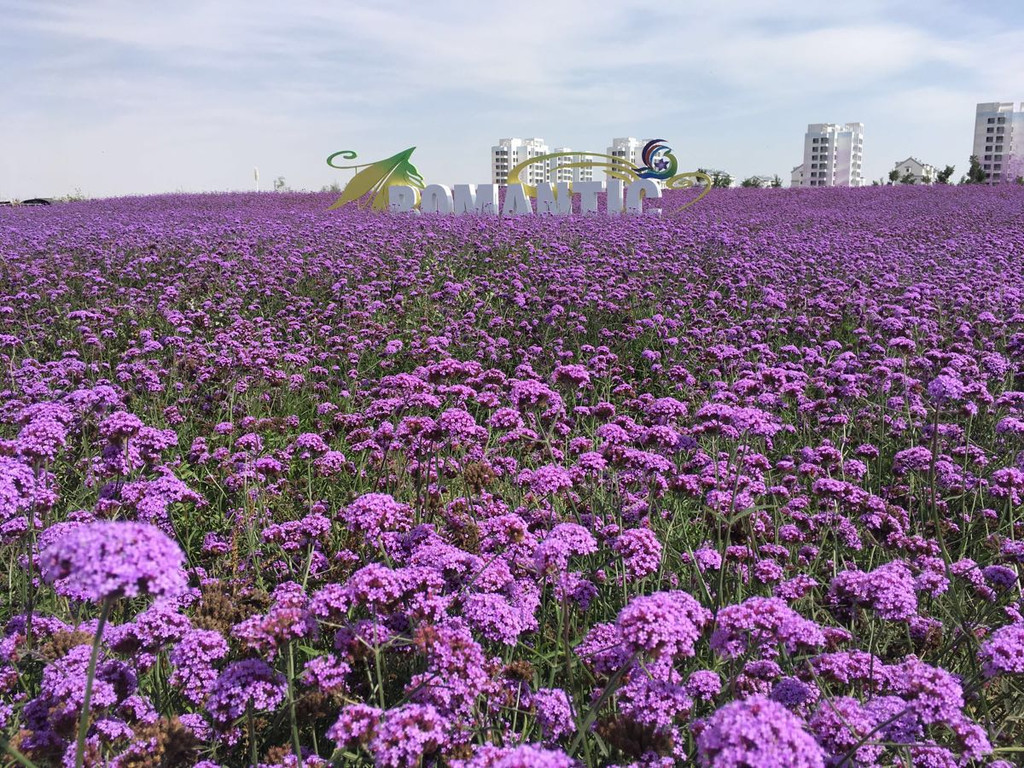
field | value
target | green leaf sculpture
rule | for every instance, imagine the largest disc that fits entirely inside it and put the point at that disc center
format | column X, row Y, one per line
column 376, row 177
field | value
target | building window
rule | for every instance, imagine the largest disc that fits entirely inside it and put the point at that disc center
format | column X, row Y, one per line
column 990, row 130
column 991, row 120
column 1001, row 120
column 997, row 166
column 988, row 157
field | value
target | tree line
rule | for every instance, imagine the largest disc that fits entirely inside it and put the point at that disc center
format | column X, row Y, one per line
column 975, row 175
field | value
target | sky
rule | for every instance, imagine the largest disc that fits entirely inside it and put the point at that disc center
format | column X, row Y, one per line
column 118, row 97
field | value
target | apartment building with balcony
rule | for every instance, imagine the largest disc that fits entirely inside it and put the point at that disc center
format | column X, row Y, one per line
column 557, row 170
column 629, row 149
column 508, row 153
column 999, row 140
column 833, row 156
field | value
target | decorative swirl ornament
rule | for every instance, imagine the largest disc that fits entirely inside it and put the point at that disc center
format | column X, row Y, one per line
column 686, row 181
column 659, row 162
column 347, row 154
column 614, row 167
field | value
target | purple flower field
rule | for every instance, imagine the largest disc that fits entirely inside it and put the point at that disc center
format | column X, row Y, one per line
column 738, row 488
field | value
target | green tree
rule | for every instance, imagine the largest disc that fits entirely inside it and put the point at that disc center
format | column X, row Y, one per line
column 975, row 173
column 752, row 181
column 718, row 178
column 776, row 182
column 894, row 176
column 332, row 187
column 908, row 178
column 945, row 175
column 279, row 184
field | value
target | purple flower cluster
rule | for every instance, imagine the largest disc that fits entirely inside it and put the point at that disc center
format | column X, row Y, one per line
column 243, row 685
column 668, row 623
column 100, row 561
column 761, row 624
column 756, row 731
column 888, row 590
column 1003, row 652
column 194, row 663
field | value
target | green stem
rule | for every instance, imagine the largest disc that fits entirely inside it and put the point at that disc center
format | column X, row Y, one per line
column 251, row 718
column 934, row 495
column 378, row 666
column 595, row 708
column 293, row 721
column 83, row 720
column 30, row 592
column 18, row 757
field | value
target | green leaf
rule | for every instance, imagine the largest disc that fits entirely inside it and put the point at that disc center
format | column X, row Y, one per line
column 378, row 176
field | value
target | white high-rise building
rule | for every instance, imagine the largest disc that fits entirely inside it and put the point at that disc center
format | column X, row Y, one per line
column 556, row 171
column 833, row 156
column 999, row 140
column 629, row 149
column 508, row 153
